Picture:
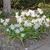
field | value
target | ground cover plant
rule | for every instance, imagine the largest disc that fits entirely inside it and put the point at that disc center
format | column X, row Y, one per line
column 29, row 24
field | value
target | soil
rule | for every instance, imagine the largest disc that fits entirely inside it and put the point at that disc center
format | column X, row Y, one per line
column 14, row 44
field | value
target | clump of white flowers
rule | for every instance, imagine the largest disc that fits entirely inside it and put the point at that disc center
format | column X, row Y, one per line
column 5, row 21
column 36, row 21
column 1, row 20
column 12, row 27
column 27, row 19
column 40, row 11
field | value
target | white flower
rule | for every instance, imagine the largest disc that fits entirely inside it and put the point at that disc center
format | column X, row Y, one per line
column 21, row 29
column 17, row 31
column 37, row 16
column 17, row 16
column 27, row 23
column 44, row 16
column 22, row 35
column 23, row 13
column 17, row 25
column 27, row 14
column 33, row 21
column 16, row 13
column 40, row 11
column 22, row 17
column 36, row 26
column 36, row 20
column 7, row 20
column 39, row 21
column 7, row 30
column 1, row 20
column 47, row 25
column 12, row 27
column 31, row 13
column 19, row 20
column 48, row 20
column 5, row 23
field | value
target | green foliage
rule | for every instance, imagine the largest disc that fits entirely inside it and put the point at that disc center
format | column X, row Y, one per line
column 21, row 4
column 2, row 15
column 47, row 11
column 27, row 33
column 13, row 13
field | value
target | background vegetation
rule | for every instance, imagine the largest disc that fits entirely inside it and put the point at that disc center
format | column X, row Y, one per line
column 23, row 4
